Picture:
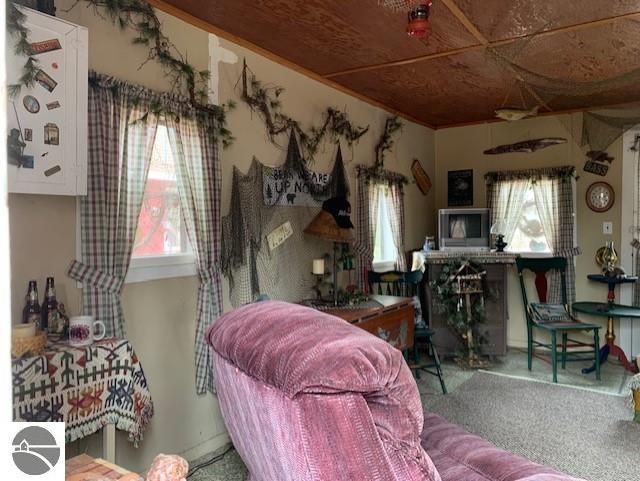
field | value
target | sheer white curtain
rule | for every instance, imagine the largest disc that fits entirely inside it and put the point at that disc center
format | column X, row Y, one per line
column 395, row 208
column 505, row 199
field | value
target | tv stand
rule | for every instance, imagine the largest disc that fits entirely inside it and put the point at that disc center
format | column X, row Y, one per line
column 495, row 264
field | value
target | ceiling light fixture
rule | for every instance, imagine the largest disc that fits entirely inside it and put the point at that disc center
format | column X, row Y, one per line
column 419, row 25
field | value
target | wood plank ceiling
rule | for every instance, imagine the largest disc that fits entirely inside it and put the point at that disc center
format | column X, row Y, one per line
column 450, row 78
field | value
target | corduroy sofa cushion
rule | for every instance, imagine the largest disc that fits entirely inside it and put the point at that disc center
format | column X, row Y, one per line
column 331, row 372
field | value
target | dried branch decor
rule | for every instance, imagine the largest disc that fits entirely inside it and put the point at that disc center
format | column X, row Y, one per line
column 266, row 101
column 385, row 144
column 140, row 17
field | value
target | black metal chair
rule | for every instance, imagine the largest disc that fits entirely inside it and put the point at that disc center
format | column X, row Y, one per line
column 554, row 319
column 407, row 284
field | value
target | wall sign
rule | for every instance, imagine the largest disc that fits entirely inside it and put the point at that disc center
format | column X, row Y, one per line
column 279, row 235
column 292, row 191
column 422, row 179
column 460, row 188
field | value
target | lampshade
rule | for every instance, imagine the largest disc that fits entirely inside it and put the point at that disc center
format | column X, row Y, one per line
column 325, row 226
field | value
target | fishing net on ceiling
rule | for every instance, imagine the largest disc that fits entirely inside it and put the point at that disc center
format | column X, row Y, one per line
column 261, row 203
column 555, row 78
column 400, row 5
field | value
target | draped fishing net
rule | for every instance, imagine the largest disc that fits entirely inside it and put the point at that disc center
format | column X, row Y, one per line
column 247, row 261
column 554, row 84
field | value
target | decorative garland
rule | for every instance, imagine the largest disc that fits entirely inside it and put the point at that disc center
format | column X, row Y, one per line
column 140, row 17
column 448, row 304
column 391, row 126
column 266, row 101
column 17, row 29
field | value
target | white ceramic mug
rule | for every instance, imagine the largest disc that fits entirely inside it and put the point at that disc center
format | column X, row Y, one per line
column 82, row 330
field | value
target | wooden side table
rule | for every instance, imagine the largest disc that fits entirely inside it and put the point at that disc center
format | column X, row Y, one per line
column 610, row 311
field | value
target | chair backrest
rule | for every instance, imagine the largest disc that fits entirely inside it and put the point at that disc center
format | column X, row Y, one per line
column 394, row 283
column 307, row 396
column 540, row 266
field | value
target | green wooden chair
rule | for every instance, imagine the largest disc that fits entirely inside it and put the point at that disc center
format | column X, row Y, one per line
column 554, row 319
column 407, row 284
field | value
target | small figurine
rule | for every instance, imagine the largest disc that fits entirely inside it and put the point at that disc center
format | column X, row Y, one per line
column 63, row 322
column 500, row 243
column 15, row 148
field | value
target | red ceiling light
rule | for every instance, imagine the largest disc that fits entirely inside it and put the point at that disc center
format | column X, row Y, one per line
column 419, row 25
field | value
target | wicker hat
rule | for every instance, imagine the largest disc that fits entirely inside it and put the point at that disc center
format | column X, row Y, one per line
column 333, row 221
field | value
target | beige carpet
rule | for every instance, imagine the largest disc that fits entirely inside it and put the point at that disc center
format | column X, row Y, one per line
column 577, row 431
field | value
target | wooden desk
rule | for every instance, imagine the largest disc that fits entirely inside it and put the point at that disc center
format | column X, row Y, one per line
column 392, row 319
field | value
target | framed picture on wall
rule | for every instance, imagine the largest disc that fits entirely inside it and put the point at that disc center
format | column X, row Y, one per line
column 460, row 188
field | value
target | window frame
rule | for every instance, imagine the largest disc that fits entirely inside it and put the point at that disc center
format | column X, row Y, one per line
column 386, row 264
column 150, row 268
column 543, row 255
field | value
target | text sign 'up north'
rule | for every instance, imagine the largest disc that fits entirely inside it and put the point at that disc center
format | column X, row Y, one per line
column 291, row 189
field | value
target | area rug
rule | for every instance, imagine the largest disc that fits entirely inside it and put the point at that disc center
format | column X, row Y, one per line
column 579, row 432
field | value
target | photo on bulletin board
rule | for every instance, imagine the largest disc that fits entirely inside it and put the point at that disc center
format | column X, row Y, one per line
column 460, row 188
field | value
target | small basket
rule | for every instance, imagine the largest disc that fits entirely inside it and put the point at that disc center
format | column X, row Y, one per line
column 28, row 345
column 636, row 400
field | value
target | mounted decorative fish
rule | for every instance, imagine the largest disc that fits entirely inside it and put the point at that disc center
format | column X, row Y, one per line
column 600, row 156
column 512, row 114
column 526, row 146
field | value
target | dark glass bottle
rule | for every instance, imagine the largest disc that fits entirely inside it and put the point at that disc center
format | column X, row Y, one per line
column 31, row 311
column 49, row 312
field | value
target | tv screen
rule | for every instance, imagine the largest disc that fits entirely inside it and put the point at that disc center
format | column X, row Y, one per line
column 464, row 226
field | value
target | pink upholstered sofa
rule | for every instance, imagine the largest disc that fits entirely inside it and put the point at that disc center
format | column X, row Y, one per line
column 306, row 396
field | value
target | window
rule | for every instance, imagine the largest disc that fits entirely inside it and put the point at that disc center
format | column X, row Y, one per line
column 161, row 247
column 384, row 252
column 529, row 235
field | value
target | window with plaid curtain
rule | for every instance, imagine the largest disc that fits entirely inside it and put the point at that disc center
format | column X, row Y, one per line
column 367, row 206
column 554, row 192
column 123, row 120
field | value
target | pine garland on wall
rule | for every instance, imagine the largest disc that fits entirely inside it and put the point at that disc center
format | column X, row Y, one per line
column 266, row 101
column 140, row 17
column 385, row 144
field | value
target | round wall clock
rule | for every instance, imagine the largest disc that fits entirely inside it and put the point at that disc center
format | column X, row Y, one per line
column 600, row 197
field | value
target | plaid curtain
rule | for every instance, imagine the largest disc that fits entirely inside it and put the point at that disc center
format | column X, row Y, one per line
column 121, row 132
column 395, row 207
column 199, row 182
column 554, row 200
column 367, row 215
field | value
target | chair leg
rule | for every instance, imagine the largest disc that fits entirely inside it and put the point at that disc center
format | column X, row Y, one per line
column 416, row 358
column 596, row 347
column 564, row 350
column 529, row 346
column 554, row 356
column 436, row 360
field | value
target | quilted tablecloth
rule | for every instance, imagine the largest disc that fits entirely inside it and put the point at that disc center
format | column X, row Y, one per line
column 86, row 387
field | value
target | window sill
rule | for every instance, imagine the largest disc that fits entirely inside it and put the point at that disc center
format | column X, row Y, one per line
column 143, row 269
column 536, row 255
column 384, row 266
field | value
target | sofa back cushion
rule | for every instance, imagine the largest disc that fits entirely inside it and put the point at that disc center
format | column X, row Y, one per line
column 331, row 384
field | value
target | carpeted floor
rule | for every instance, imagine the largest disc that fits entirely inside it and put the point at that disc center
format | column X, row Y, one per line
column 577, row 431
column 578, row 435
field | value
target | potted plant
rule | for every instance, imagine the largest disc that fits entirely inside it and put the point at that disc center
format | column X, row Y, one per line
column 634, row 396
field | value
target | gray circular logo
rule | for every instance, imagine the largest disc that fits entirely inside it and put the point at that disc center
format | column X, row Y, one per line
column 35, row 451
